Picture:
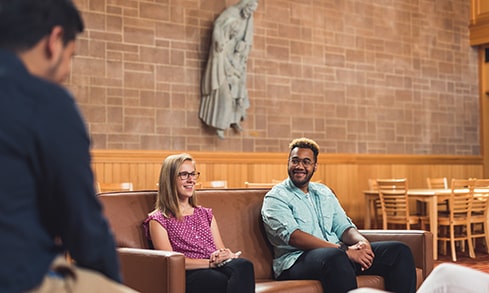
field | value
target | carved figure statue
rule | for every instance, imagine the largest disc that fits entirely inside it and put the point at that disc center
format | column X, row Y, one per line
column 224, row 95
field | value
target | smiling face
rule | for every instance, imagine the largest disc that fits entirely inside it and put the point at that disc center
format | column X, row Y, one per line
column 185, row 187
column 301, row 167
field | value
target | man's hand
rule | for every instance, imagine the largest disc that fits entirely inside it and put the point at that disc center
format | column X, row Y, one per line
column 362, row 254
column 362, row 245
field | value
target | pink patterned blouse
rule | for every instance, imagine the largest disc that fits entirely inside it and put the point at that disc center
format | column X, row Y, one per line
column 191, row 236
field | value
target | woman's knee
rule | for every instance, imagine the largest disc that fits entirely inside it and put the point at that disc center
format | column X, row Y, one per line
column 206, row 280
column 243, row 265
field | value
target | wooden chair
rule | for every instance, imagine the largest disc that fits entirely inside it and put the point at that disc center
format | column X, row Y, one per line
column 377, row 207
column 395, row 203
column 119, row 186
column 372, row 184
column 454, row 225
column 213, row 184
column 259, row 185
column 480, row 212
column 438, row 183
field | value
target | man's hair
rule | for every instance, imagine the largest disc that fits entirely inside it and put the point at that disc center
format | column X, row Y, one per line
column 305, row 143
column 23, row 23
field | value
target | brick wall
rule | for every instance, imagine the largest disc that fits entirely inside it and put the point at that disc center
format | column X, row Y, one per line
column 358, row 76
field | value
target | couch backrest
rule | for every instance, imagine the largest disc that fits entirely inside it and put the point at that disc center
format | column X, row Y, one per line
column 237, row 212
column 238, row 215
column 125, row 212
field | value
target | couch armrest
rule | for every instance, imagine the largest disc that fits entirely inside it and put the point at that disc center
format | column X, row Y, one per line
column 149, row 271
column 420, row 242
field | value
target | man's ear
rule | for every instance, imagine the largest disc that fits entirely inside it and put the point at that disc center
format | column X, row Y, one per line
column 54, row 45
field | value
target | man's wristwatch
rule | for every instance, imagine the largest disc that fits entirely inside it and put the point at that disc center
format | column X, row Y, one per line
column 343, row 246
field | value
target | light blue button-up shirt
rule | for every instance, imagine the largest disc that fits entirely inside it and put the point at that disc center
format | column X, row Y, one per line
column 286, row 209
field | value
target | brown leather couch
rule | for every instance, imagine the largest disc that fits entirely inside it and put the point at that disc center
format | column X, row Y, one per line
column 238, row 215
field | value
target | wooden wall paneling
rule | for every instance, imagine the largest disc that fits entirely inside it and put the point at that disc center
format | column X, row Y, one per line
column 108, row 174
column 134, row 174
column 464, row 171
column 123, row 174
column 105, row 173
column 413, row 173
column 202, row 168
column 346, row 174
column 255, row 173
column 429, row 171
column 366, row 172
column 152, row 175
column 264, row 172
column 97, row 171
column 343, row 179
column 220, row 172
column 115, row 172
column 437, row 172
column 275, row 172
column 236, row 173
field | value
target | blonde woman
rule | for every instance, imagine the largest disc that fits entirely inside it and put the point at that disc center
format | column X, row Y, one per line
column 179, row 224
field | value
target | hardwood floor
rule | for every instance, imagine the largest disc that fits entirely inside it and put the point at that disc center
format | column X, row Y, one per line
column 481, row 261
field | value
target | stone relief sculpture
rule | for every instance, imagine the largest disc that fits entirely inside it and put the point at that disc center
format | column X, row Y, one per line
column 224, row 95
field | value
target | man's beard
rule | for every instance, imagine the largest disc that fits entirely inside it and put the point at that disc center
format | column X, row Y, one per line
column 300, row 183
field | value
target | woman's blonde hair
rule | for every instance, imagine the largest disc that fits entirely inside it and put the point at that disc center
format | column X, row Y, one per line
column 167, row 198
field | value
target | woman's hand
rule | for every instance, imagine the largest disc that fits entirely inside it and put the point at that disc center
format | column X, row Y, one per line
column 222, row 255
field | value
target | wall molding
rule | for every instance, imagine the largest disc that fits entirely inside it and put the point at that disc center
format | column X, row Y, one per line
column 130, row 156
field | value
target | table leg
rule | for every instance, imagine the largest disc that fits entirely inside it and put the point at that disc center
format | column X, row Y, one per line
column 433, row 214
column 368, row 212
column 370, row 198
column 432, row 206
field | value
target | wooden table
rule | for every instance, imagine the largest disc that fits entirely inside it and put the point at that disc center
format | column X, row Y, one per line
column 371, row 196
column 430, row 196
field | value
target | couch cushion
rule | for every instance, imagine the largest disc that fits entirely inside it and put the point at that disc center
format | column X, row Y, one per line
column 306, row 286
column 311, row 286
column 370, row 281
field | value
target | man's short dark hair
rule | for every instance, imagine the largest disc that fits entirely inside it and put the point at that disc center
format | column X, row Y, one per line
column 23, row 23
column 305, row 143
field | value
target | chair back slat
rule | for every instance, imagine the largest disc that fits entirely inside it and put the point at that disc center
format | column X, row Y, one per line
column 372, row 184
column 454, row 224
column 394, row 202
column 461, row 197
column 437, row 183
column 481, row 194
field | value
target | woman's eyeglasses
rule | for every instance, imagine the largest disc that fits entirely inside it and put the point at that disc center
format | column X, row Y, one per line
column 184, row 175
